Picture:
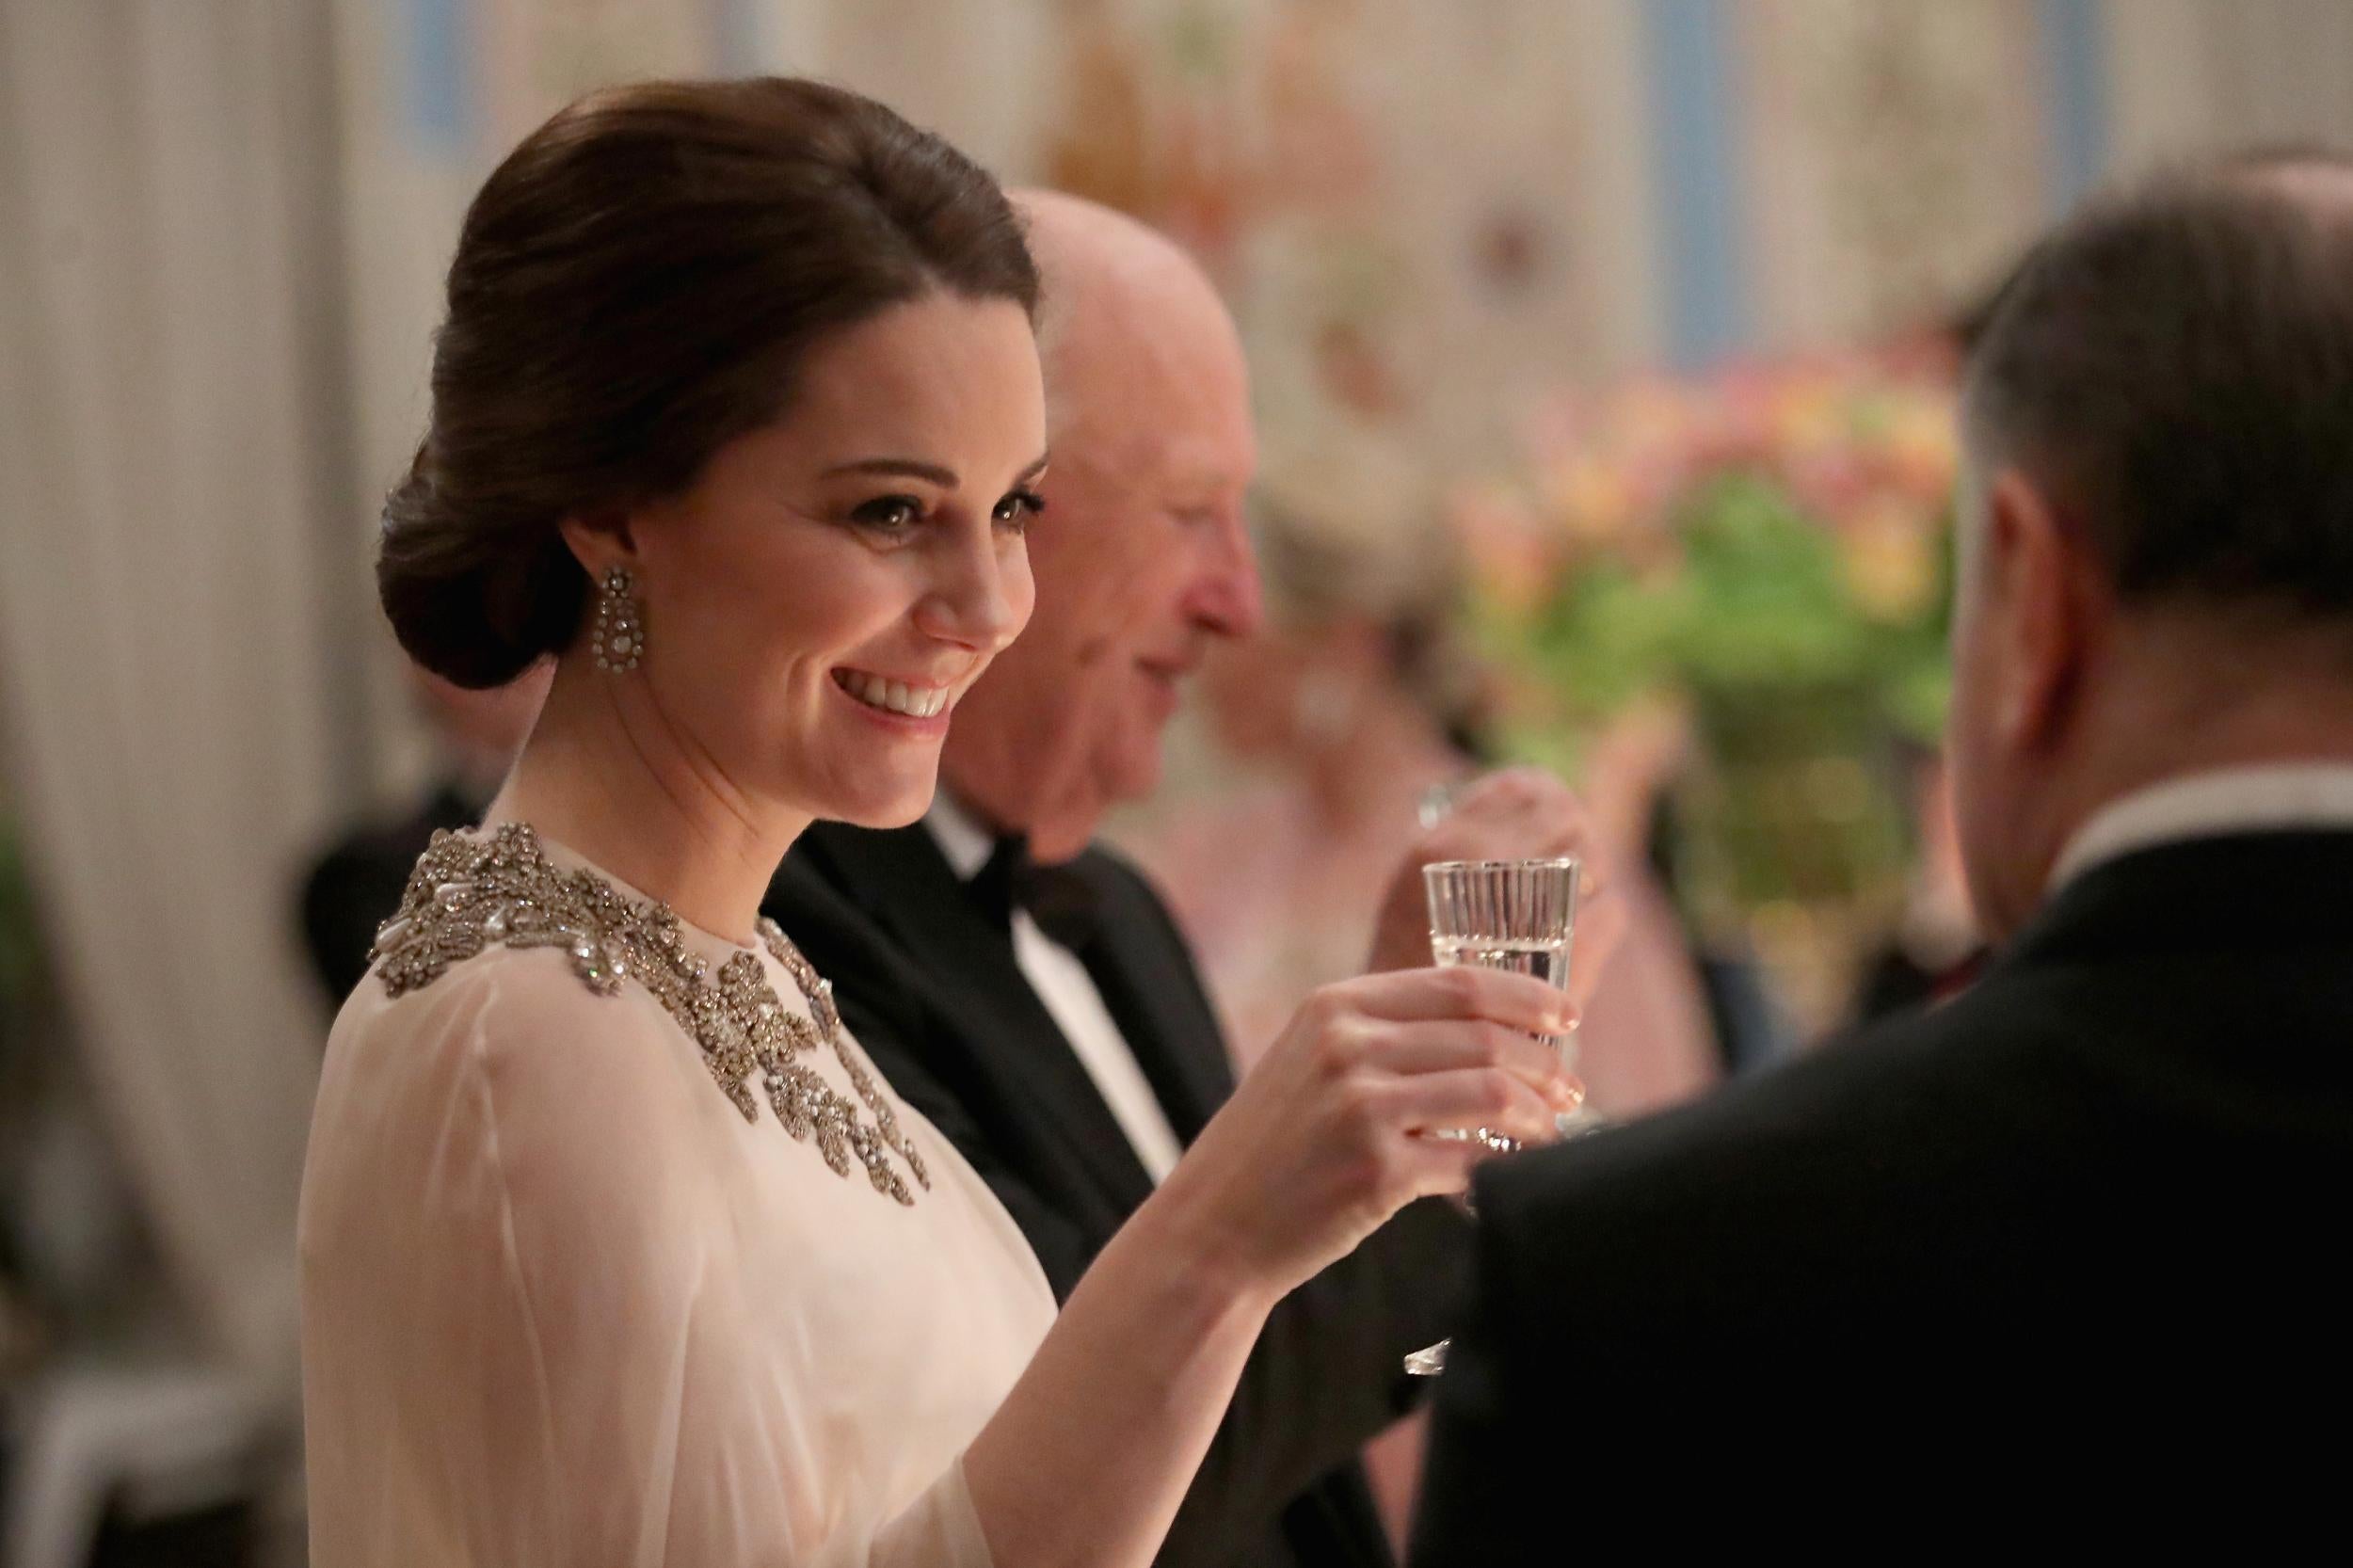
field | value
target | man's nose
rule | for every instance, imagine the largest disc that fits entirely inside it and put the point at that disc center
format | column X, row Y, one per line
column 1226, row 599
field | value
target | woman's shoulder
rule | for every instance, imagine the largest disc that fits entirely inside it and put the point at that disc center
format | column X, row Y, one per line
column 478, row 893
column 514, row 981
column 527, row 1091
column 498, row 961
column 513, row 1032
column 490, row 919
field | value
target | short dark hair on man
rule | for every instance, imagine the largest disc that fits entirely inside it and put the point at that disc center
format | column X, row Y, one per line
column 2176, row 366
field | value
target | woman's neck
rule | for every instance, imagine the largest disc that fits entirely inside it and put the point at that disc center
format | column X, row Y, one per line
column 607, row 776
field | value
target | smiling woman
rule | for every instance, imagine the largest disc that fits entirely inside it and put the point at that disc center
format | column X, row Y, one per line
column 615, row 1245
column 749, row 449
column 793, row 576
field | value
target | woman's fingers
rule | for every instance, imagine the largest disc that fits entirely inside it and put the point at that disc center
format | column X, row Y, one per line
column 1514, row 1001
column 1462, row 1045
column 1441, row 1167
column 1468, row 1100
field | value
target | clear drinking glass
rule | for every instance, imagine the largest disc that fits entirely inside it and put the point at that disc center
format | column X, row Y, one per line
column 1515, row 915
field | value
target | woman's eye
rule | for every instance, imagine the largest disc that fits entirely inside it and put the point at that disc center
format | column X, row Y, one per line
column 1017, row 509
column 889, row 513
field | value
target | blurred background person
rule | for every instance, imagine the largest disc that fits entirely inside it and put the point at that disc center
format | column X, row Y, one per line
column 356, row 886
column 1350, row 715
column 1329, row 728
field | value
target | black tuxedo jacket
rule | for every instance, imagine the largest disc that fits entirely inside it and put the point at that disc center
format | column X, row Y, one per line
column 2094, row 1208
column 355, row 887
column 926, row 979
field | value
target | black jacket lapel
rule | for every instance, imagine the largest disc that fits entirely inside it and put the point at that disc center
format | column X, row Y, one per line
column 904, row 881
column 1153, row 992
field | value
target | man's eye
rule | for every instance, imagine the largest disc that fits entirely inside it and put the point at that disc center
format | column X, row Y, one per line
column 891, row 513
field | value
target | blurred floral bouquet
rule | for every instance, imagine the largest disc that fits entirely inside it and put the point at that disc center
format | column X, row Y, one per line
column 1767, row 549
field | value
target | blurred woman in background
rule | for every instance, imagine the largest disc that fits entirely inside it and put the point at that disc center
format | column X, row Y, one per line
column 1346, row 715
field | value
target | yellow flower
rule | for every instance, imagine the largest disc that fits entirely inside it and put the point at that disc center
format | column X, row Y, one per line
column 1890, row 561
column 1808, row 416
column 1922, row 449
column 1593, row 500
column 1505, row 549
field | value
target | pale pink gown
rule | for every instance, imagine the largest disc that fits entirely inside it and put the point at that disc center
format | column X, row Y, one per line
column 564, row 1305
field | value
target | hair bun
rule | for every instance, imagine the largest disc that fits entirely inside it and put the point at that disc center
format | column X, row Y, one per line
column 463, row 602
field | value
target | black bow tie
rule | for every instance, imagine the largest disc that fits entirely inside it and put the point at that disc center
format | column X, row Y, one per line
column 1058, row 898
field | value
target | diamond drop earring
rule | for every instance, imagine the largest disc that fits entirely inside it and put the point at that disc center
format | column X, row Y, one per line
column 619, row 634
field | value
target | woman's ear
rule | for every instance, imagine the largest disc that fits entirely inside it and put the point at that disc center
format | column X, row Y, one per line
column 599, row 542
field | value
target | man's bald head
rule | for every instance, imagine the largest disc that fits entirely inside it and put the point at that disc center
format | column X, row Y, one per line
column 1126, row 319
column 2319, row 178
column 1141, row 555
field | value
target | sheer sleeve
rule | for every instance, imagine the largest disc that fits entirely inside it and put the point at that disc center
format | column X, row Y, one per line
column 563, row 1305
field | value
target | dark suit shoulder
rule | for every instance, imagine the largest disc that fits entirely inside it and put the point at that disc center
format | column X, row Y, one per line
column 2029, row 1158
column 357, row 885
column 1671, row 1213
column 2084, row 1205
column 1892, row 1105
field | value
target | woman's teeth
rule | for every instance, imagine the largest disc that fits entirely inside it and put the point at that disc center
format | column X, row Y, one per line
column 893, row 695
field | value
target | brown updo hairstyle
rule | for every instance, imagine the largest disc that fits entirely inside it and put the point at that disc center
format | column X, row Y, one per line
column 633, row 288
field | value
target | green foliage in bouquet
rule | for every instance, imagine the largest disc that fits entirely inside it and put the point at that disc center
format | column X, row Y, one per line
column 1768, row 551
column 1759, row 608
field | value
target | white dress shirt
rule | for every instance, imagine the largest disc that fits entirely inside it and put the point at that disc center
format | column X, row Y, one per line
column 2278, row 797
column 1062, row 984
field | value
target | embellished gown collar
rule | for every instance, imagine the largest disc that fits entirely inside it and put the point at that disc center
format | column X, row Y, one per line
column 503, row 887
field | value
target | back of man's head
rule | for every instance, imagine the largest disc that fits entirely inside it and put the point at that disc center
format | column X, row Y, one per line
column 2177, row 368
column 2157, row 531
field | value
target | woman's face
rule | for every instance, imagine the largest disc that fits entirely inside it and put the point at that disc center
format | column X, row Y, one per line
column 834, row 582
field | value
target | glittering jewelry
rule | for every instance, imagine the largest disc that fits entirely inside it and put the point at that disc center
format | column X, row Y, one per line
column 470, row 893
column 620, row 633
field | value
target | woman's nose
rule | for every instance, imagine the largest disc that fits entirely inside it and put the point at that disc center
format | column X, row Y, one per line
column 979, row 599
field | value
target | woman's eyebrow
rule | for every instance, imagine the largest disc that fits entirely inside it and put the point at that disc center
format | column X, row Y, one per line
column 902, row 468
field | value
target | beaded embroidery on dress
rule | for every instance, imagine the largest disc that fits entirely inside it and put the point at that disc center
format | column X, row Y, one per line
column 468, row 894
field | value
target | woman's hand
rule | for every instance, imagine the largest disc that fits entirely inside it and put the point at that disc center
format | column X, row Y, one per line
column 1084, row 1463
column 1325, row 1138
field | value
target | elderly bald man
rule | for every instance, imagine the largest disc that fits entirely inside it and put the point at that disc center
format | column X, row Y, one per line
column 1029, row 991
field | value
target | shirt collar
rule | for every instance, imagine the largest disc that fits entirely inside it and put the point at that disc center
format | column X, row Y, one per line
column 2272, row 798
column 959, row 835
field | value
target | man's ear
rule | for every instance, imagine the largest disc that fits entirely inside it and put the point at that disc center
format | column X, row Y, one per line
column 2049, row 603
